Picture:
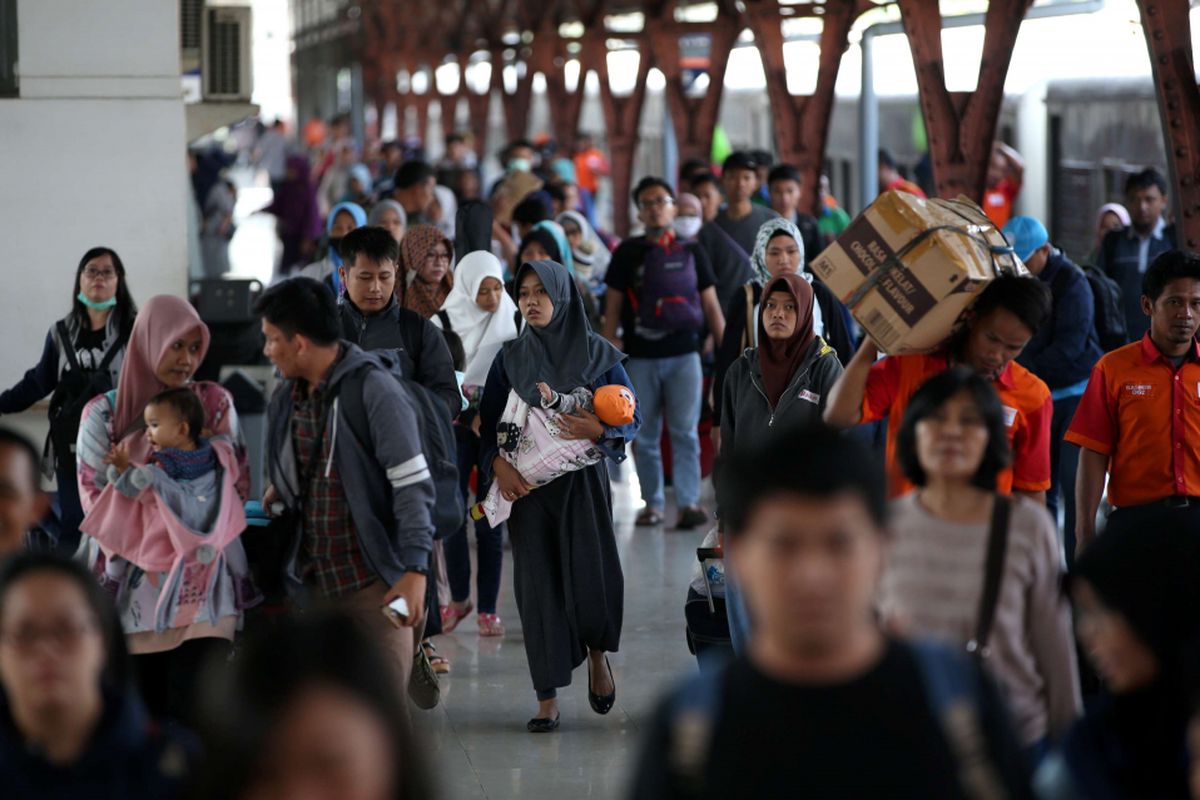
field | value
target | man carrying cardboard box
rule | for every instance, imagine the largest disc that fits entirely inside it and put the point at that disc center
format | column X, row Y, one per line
column 1003, row 319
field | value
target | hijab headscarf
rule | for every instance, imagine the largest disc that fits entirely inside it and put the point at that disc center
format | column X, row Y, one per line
column 566, row 353
column 295, row 204
column 768, row 231
column 560, row 242
column 780, row 358
column 1114, row 208
column 449, row 205
column 335, row 258
column 592, row 256
column 482, row 332
column 362, row 174
column 1145, row 569
column 417, row 295
column 164, row 320
column 377, row 210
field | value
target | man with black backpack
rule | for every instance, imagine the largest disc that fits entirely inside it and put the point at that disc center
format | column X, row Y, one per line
column 662, row 292
column 1061, row 353
column 363, row 508
column 373, row 320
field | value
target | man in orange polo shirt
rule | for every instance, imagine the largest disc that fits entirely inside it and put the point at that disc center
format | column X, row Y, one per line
column 1000, row 323
column 1139, row 419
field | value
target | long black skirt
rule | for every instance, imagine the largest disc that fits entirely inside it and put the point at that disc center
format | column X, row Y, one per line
column 567, row 574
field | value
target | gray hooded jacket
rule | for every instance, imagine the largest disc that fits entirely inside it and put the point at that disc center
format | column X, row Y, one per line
column 387, row 486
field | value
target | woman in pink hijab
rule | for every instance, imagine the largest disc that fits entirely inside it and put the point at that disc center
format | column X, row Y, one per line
column 166, row 347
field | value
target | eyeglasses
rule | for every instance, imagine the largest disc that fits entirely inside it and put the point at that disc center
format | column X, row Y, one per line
column 661, row 202
column 65, row 635
column 436, row 257
column 99, row 274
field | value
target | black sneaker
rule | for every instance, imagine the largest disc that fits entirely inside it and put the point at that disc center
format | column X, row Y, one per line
column 691, row 518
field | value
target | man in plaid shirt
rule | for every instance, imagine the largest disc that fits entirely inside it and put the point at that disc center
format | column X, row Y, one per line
column 365, row 531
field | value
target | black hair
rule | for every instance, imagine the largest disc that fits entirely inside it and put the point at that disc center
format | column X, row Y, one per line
column 412, row 173
column 649, row 182
column 691, row 168
column 455, row 138
column 1025, row 296
column 808, row 461
column 931, row 396
column 186, row 405
column 244, row 702
column 701, row 178
column 125, row 310
column 545, row 239
column 116, row 675
column 301, row 306
column 557, row 192
column 10, row 438
column 739, row 159
column 784, row 172
column 762, row 158
column 1169, row 266
column 1144, row 180
column 530, row 211
column 372, row 241
column 390, row 144
column 886, row 159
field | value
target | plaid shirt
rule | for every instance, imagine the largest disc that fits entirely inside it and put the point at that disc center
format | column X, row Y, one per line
column 331, row 559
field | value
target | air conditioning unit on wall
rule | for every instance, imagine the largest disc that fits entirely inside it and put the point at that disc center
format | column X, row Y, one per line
column 225, row 69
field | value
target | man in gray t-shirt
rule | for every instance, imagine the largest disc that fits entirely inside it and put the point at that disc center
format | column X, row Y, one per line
column 741, row 218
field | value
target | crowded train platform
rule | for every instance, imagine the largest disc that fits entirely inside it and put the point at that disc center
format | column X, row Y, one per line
column 600, row 399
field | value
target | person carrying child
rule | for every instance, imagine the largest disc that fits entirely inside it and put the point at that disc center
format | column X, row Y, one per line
column 566, row 570
column 529, row 438
column 186, row 507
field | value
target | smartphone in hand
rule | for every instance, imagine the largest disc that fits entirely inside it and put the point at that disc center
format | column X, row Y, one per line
column 396, row 612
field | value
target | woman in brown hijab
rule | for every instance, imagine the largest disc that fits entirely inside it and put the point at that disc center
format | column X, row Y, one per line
column 426, row 255
column 785, row 380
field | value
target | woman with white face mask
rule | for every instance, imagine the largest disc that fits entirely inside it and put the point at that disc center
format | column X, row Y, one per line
column 688, row 216
column 778, row 250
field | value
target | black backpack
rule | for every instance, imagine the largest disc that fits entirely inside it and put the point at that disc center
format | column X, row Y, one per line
column 1109, row 317
column 76, row 386
column 438, row 442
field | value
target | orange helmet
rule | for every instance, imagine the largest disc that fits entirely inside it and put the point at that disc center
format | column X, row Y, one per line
column 615, row 404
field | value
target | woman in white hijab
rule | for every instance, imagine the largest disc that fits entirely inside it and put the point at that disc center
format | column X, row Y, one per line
column 484, row 317
column 590, row 253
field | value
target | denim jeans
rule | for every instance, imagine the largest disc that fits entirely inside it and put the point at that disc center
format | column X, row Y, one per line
column 738, row 615
column 671, row 387
column 1064, row 464
column 489, row 541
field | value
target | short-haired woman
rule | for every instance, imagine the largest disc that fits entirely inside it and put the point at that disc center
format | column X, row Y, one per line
column 952, row 445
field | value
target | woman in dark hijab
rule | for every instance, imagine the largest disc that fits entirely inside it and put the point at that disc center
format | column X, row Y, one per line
column 566, row 571
column 1137, row 602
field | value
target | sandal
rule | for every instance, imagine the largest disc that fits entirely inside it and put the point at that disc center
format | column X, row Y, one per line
column 440, row 664
column 451, row 616
column 490, row 625
column 648, row 518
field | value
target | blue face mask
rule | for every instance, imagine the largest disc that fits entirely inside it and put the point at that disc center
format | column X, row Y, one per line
column 104, row 305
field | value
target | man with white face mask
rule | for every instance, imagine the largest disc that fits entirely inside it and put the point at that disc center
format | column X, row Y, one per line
column 688, row 217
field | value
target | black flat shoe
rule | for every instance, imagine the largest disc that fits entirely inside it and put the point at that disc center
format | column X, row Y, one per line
column 542, row 724
column 602, row 705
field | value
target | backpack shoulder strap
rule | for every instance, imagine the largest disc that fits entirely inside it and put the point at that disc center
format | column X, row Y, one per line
column 117, row 346
column 997, row 547
column 694, row 712
column 952, row 686
column 748, row 335
column 350, row 399
column 68, row 347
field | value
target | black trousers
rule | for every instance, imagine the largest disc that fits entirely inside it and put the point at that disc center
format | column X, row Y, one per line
column 168, row 681
column 1131, row 515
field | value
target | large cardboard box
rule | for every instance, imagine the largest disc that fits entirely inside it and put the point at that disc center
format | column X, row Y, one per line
column 909, row 267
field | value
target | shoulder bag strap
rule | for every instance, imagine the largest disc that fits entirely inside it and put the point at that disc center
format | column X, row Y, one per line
column 117, row 346
column 997, row 546
column 68, row 347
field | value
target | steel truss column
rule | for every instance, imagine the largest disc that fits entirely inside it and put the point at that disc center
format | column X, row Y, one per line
column 802, row 121
column 622, row 115
column 1169, row 36
column 961, row 125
